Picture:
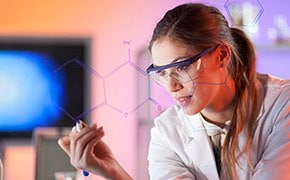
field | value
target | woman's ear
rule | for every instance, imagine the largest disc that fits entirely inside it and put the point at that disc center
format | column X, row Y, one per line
column 223, row 55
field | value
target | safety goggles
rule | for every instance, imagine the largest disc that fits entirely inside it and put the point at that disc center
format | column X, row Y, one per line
column 182, row 71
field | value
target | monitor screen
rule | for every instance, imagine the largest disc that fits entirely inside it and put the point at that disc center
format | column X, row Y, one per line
column 42, row 83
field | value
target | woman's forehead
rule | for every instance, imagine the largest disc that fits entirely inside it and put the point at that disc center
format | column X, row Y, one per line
column 165, row 51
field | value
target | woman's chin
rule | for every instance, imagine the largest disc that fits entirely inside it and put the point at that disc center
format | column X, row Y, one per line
column 189, row 110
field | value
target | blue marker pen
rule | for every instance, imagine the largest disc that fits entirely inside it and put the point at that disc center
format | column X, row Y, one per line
column 78, row 127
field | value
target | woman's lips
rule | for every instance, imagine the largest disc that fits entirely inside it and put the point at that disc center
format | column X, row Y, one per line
column 183, row 101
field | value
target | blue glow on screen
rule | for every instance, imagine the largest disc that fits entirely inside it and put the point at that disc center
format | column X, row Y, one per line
column 28, row 91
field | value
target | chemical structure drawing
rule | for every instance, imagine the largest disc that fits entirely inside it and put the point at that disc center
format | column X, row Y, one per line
column 89, row 74
column 244, row 13
column 121, row 74
column 115, row 86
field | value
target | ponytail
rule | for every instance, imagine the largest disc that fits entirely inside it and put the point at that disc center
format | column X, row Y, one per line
column 243, row 69
column 245, row 52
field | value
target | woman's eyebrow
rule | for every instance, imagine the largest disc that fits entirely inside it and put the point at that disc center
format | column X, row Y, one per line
column 174, row 60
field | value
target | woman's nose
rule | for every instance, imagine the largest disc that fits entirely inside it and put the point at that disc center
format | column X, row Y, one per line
column 173, row 84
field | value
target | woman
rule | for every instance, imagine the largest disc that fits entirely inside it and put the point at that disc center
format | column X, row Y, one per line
column 229, row 121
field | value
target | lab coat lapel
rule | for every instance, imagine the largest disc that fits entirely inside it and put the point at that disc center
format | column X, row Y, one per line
column 199, row 149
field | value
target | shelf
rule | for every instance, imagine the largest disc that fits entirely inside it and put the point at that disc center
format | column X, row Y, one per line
column 285, row 47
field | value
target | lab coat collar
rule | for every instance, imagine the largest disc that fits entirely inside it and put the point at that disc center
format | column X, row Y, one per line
column 193, row 125
column 199, row 147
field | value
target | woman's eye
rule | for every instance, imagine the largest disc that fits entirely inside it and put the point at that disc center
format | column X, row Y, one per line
column 161, row 73
column 181, row 68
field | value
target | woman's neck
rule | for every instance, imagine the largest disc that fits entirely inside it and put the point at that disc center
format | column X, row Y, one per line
column 220, row 115
column 218, row 119
column 222, row 108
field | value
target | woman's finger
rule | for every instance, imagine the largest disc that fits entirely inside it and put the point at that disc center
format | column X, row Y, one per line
column 64, row 143
column 83, row 124
column 79, row 142
column 90, row 159
column 89, row 149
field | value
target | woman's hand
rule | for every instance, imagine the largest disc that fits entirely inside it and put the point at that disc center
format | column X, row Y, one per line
column 88, row 152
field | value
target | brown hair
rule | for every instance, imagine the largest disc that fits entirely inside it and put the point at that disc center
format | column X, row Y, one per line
column 200, row 26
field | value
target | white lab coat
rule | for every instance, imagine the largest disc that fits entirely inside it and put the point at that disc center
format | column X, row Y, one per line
column 180, row 146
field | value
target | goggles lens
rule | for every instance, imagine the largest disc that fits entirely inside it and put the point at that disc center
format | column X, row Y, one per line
column 182, row 74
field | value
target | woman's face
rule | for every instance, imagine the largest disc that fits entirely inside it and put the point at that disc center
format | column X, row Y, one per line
column 210, row 89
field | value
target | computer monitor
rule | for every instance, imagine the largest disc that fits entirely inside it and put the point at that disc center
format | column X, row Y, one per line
column 43, row 83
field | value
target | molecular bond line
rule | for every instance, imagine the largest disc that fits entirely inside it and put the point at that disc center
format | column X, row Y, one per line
column 105, row 83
